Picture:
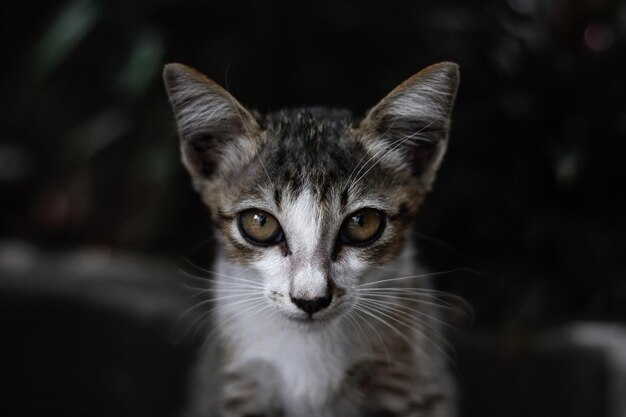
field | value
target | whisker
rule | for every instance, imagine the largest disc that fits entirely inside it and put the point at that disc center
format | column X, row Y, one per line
column 425, row 275
column 210, row 289
column 395, row 330
column 356, row 330
column 425, row 328
column 438, row 242
column 198, row 290
column 429, row 303
column 425, row 292
column 246, row 313
column 409, row 311
column 394, row 145
column 387, row 149
column 231, row 296
column 354, row 321
column 199, row 245
column 188, row 311
column 417, row 327
column 228, row 285
column 467, row 270
column 368, row 161
column 235, row 290
column 356, row 308
column 429, row 293
column 256, row 302
column 192, row 325
column 422, row 324
column 219, row 274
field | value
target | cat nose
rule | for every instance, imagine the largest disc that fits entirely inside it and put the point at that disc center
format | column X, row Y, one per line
column 314, row 305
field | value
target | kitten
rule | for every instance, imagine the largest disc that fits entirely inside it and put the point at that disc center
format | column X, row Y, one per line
column 320, row 309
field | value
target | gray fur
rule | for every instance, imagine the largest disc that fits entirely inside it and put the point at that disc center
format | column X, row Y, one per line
column 372, row 350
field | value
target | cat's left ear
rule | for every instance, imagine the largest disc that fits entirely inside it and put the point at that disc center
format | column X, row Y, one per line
column 412, row 122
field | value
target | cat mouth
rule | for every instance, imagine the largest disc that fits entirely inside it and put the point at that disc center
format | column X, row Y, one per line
column 309, row 323
column 311, row 320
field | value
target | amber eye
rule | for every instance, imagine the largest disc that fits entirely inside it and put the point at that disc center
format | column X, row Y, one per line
column 362, row 227
column 260, row 227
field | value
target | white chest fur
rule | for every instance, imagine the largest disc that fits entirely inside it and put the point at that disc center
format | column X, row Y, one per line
column 311, row 364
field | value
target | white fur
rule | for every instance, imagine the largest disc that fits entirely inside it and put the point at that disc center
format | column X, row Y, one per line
column 301, row 220
column 311, row 361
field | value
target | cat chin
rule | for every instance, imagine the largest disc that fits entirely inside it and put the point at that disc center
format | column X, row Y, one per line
column 310, row 323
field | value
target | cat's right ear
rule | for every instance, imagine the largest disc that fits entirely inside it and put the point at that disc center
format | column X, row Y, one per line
column 212, row 125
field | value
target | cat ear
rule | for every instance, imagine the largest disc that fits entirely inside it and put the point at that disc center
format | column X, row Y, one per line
column 413, row 120
column 214, row 128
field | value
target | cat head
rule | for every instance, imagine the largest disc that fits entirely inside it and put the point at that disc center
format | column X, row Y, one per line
column 307, row 201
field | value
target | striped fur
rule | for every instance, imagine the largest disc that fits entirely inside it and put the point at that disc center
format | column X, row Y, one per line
column 312, row 169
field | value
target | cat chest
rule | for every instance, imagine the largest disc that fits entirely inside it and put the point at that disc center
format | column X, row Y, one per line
column 310, row 368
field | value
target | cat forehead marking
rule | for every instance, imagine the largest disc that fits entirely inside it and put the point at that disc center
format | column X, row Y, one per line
column 310, row 148
column 301, row 219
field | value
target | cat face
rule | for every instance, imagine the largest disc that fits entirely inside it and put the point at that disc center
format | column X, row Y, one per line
column 306, row 200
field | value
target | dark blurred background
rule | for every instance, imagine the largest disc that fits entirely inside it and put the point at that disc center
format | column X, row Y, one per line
column 530, row 196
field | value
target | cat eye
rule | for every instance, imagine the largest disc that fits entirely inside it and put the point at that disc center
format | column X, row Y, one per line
column 259, row 227
column 362, row 227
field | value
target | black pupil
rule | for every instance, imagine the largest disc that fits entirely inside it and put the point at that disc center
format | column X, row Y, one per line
column 260, row 219
column 358, row 219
